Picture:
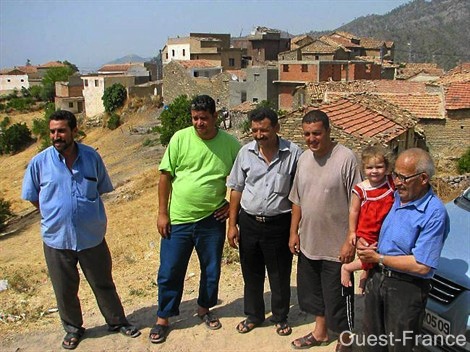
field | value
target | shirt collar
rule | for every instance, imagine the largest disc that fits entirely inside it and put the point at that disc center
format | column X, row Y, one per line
column 283, row 145
column 421, row 203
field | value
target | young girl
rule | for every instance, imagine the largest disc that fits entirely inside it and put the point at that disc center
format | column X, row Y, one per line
column 371, row 201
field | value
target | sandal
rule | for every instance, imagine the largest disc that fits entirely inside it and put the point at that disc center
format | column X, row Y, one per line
column 126, row 330
column 210, row 320
column 283, row 328
column 161, row 331
column 246, row 326
column 71, row 340
column 306, row 342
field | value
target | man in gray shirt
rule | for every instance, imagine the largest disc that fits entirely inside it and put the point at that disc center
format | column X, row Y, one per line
column 260, row 182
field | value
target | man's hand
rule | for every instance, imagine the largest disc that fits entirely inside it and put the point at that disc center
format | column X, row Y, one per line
column 367, row 252
column 222, row 213
column 346, row 254
column 294, row 243
column 163, row 224
column 233, row 236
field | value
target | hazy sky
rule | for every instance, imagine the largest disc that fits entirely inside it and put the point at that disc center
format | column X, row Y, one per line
column 89, row 33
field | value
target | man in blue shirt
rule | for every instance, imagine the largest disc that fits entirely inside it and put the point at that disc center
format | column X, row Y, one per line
column 65, row 182
column 410, row 243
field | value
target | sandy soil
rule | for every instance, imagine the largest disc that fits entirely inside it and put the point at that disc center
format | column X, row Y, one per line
column 28, row 319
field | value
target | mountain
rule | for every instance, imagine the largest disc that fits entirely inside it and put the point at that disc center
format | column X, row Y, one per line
column 436, row 31
column 129, row 58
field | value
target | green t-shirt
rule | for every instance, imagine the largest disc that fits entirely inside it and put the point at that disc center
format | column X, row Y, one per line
column 199, row 169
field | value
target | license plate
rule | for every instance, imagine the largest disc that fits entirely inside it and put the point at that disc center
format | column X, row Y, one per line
column 436, row 324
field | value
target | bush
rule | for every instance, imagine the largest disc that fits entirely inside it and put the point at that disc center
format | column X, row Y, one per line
column 15, row 138
column 463, row 164
column 174, row 117
column 114, row 97
column 5, row 212
column 114, row 121
column 41, row 127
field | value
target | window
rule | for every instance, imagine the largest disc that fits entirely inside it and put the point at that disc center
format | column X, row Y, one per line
column 317, row 57
column 70, row 105
column 243, row 97
column 96, row 83
column 255, row 100
column 285, row 68
column 8, row 80
column 184, row 52
column 86, row 82
column 256, row 77
column 22, row 80
column 231, row 62
column 304, row 68
column 172, row 53
column 196, row 74
column 166, row 56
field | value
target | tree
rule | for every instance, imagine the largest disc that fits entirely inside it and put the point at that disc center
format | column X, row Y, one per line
column 41, row 127
column 174, row 117
column 463, row 163
column 15, row 138
column 54, row 74
column 114, row 97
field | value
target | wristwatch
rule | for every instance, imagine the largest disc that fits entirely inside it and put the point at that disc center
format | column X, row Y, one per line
column 381, row 261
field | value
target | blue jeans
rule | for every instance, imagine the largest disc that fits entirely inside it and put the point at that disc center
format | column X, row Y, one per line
column 207, row 236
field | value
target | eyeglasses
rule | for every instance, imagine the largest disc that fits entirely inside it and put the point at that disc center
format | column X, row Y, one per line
column 404, row 178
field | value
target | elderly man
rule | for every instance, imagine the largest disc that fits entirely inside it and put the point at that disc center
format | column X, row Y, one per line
column 408, row 251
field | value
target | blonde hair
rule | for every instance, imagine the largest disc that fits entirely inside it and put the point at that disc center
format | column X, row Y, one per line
column 378, row 152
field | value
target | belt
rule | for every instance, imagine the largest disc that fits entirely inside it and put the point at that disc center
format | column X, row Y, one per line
column 399, row 276
column 267, row 219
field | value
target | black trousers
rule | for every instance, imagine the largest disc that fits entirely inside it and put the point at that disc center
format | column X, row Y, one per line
column 265, row 246
column 394, row 308
column 96, row 265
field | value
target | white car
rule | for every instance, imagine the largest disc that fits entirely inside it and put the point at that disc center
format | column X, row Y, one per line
column 447, row 315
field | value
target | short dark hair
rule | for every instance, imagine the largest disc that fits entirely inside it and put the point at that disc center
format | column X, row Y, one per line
column 203, row 103
column 264, row 113
column 317, row 116
column 64, row 115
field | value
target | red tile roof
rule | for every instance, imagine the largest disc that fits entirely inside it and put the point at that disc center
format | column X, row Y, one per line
column 361, row 121
column 51, row 64
column 457, row 96
column 461, row 68
column 319, row 46
column 198, row 63
column 28, row 69
column 424, row 106
column 119, row 67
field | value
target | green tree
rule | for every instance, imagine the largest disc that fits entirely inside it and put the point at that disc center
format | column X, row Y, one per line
column 41, row 127
column 54, row 74
column 72, row 66
column 173, row 118
column 5, row 211
column 463, row 164
column 15, row 138
column 114, row 97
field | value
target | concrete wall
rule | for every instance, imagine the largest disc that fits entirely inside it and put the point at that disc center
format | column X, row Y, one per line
column 10, row 82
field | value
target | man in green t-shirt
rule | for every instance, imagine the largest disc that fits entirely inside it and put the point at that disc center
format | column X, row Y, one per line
column 192, row 213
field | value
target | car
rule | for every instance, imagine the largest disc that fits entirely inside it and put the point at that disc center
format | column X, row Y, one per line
column 447, row 315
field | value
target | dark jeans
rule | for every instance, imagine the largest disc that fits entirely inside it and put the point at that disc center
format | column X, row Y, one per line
column 207, row 236
column 265, row 246
column 96, row 265
column 393, row 306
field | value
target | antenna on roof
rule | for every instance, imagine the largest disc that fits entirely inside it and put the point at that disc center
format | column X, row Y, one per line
column 241, row 30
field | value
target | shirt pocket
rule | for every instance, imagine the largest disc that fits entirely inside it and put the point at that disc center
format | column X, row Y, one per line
column 282, row 184
column 89, row 188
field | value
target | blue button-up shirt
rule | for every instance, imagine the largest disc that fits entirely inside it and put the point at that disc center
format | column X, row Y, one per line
column 72, row 212
column 417, row 228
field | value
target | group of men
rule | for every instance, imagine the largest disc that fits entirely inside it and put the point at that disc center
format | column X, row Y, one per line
column 283, row 202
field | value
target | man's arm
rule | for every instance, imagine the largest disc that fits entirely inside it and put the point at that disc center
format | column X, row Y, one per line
column 233, row 235
column 164, row 191
column 294, row 239
column 354, row 210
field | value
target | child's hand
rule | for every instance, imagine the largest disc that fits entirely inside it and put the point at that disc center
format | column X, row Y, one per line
column 352, row 238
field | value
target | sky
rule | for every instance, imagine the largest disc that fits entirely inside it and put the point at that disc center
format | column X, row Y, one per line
column 89, row 33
